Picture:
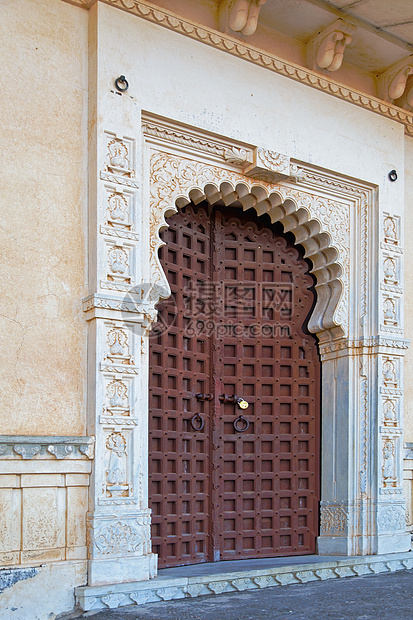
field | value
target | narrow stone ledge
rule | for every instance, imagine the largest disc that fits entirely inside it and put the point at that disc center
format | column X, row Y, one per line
column 216, row 579
column 41, row 447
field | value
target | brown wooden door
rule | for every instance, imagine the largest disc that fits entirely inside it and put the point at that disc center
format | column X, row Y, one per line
column 226, row 482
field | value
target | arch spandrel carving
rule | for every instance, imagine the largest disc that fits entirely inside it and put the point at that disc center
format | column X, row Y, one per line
column 319, row 224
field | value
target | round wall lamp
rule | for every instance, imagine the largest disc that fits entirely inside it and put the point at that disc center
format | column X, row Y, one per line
column 121, row 84
column 392, row 175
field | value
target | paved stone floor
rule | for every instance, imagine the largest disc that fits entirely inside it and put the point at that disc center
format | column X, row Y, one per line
column 378, row 597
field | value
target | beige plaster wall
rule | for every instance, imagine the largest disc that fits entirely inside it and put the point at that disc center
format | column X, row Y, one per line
column 408, row 297
column 43, row 101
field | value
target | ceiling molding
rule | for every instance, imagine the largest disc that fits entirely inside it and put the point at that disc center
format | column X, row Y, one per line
column 233, row 46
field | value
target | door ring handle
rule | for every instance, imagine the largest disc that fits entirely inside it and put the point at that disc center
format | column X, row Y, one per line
column 197, row 422
column 243, row 421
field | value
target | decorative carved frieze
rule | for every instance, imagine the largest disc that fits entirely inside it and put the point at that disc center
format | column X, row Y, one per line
column 210, row 145
column 126, row 307
column 366, row 344
column 118, row 180
column 29, row 447
column 119, row 234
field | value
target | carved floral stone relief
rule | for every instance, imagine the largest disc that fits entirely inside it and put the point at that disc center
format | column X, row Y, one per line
column 389, row 412
column 392, row 518
column 389, row 373
column 390, row 270
column 119, row 155
column 117, row 341
column 334, row 519
column 391, row 230
column 118, row 210
column 118, row 538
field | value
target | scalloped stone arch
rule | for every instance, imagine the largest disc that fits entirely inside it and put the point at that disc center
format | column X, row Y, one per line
column 298, row 212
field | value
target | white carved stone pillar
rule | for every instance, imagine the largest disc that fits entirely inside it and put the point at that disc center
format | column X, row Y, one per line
column 118, row 518
column 391, row 508
column 363, row 507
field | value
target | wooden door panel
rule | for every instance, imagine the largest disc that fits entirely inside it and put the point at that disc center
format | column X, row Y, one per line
column 270, row 470
column 179, row 460
column 242, row 296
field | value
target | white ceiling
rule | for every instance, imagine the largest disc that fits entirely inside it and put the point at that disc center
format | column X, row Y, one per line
column 384, row 32
column 394, row 17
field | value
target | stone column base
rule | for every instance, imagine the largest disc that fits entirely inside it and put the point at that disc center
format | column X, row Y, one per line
column 347, row 545
column 122, row 570
column 393, row 543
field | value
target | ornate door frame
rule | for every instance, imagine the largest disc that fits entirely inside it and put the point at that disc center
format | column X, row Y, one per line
column 356, row 250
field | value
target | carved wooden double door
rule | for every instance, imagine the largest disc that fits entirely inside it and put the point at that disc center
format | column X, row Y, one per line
column 234, row 393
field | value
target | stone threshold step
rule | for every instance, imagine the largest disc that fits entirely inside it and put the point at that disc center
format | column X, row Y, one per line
column 236, row 576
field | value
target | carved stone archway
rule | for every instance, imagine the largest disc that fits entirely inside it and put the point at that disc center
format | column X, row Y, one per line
column 312, row 220
column 357, row 263
column 362, row 508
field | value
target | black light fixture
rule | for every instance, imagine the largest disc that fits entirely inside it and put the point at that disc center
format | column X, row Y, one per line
column 393, row 175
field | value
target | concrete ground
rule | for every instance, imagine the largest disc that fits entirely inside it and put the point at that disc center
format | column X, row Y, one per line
column 386, row 596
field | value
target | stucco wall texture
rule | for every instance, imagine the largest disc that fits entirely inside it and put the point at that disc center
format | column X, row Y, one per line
column 43, row 116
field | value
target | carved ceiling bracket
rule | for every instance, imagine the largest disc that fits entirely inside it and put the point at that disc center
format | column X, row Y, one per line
column 240, row 15
column 326, row 49
column 395, row 84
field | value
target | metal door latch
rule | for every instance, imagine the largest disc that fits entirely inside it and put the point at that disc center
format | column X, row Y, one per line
column 204, row 396
column 242, row 404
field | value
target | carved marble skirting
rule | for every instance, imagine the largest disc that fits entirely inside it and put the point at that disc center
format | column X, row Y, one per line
column 167, row 588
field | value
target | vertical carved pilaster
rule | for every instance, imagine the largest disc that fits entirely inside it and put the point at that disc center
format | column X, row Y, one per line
column 118, row 518
column 391, row 523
